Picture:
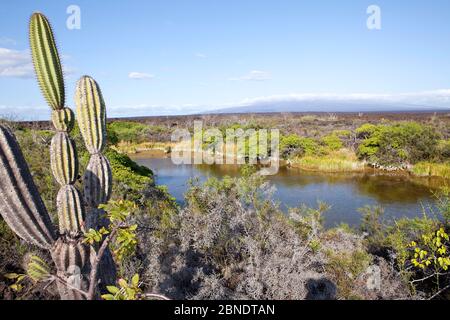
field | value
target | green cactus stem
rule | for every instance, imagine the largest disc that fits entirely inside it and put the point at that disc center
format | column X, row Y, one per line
column 91, row 114
column 20, row 203
column 97, row 181
column 63, row 159
column 46, row 61
column 70, row 210
column 63, row 120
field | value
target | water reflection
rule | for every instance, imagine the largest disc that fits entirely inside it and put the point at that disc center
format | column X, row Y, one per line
column 344, row 192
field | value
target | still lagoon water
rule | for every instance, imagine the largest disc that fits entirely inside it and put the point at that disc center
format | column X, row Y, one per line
column 345, row 193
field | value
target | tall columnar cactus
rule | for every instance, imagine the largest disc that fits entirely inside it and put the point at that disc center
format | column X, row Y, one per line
column 46, row 61
column 91, row 114
column 20, row 203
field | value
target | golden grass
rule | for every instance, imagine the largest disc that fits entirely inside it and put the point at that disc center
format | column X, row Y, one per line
column 429, row 169
column 339, row 161
column 132, row 148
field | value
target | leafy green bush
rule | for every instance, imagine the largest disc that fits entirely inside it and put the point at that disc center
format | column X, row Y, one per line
column 332, row 142
column 345, row 267
column 398, row 144
column 366, row 130
column 294, row 145
column 444, row 149
column 130, row 179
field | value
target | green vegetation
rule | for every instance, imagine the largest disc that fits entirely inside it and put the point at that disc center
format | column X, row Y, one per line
column 335, row 162
column 294, row 146
column 131, row 179
column 128, row 131
column 421, row 148
column 398, row 145
column 430, row 169
column 332, row 142
column 420, row 245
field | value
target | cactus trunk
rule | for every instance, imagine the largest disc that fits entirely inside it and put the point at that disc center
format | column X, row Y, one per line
column 20, row 203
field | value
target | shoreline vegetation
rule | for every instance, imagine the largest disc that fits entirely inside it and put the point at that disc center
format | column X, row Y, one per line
column 230, row 240
column 338, row 162
column 322, row 143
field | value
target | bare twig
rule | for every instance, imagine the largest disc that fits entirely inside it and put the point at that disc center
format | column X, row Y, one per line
column 154, row 295
column 95, row 264
column 69, row 285
column 439, row 292
column 428, row 277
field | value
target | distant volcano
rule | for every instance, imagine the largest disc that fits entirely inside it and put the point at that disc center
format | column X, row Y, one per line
column 327, row 105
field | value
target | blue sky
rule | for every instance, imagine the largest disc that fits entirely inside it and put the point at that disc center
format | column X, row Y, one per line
column 172, row 57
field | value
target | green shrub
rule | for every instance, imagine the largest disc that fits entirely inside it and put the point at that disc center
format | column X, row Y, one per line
column 444, row 149
column 366, row 130
column 398, row 144
column 332, row 142
column 345, row 268
column 294, row 145
column 373, row 225
column 130, row 179
column 342, row 133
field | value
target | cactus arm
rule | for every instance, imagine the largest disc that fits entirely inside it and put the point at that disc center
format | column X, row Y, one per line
column 20, row 203
column 91, row 114
column 46, row 61
column 97, row 180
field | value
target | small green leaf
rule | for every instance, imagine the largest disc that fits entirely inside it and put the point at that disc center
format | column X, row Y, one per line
column 135, row 280
column 113, row 289
column 107, row 297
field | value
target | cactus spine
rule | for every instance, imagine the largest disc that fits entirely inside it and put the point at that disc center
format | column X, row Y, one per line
column 20, row 203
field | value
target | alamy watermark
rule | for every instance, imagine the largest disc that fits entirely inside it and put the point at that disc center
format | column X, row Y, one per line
column 233, row 146
column 73, row 21
column 374, row 20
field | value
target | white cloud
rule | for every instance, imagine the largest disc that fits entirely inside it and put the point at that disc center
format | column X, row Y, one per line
column 254, row 75
column 14, row 63
column 17, row 64
column 432, row 98
column 140, row 75
column 424, row 100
